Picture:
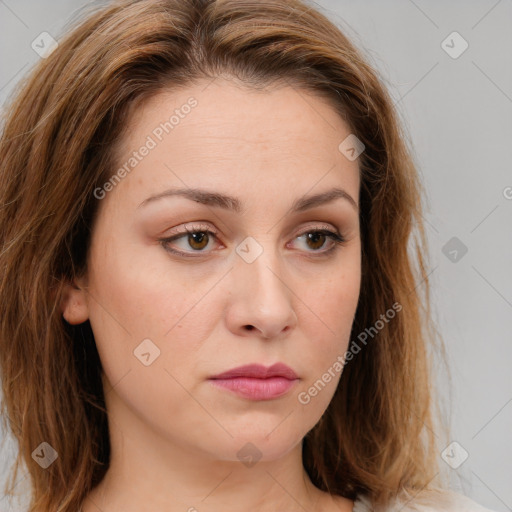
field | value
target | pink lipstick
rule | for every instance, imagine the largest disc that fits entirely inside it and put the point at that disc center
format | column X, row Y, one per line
column 257, row 382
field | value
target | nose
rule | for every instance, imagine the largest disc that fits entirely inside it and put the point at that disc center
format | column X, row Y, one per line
column 261, row 300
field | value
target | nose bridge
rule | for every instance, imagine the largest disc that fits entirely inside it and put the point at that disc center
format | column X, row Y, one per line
column 262, row 292
column 258, row 265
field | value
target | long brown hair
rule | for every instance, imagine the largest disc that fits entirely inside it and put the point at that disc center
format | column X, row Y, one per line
column 378, row 435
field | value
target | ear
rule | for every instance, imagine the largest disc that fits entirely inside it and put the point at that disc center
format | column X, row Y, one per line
column 73, row 303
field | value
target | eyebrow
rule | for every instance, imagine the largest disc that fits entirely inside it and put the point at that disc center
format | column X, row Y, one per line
column 227, row 202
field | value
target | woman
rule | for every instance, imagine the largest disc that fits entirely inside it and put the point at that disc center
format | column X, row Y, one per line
column 208, row 302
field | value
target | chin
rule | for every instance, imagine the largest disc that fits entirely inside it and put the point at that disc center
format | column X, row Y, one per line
column 252, row 446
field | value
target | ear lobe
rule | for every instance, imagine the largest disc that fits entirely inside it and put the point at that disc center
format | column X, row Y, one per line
column 73, row 304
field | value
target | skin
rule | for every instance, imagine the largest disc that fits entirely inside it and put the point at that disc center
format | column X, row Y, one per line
column 174, row 436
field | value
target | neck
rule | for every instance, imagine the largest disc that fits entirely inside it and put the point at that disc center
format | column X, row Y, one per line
column 149, row 471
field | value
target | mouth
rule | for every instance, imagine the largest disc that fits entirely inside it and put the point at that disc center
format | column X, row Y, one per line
column 257, row 382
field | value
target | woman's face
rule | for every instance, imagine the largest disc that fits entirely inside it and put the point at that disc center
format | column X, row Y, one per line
column 257, row 281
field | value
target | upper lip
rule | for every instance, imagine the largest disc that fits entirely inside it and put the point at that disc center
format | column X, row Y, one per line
column 258, row 371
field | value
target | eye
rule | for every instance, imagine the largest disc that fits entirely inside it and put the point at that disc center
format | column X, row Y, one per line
column 316, row 239
column 198, row 237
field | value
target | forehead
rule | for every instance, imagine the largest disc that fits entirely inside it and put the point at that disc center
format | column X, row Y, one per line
column 259, row 113
column 227, row 135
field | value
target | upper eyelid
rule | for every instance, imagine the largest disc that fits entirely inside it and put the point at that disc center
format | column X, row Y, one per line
column 206, row 228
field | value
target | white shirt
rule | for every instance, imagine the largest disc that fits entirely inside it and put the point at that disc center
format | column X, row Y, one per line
column 443, row 501
column 449, row 502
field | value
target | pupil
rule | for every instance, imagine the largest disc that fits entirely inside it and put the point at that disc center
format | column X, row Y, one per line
column 315, row 237
column 198, row 238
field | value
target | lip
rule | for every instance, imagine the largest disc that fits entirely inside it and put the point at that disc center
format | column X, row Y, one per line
column 257, row 382
column 258, row 371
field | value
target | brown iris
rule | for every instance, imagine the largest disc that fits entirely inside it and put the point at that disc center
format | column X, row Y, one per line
column 315, row 237
column 198, row 238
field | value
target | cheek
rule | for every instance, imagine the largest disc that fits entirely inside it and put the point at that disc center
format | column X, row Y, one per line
column 328, row 330
column 139, row 300
column 137, row 303
column 333, row 303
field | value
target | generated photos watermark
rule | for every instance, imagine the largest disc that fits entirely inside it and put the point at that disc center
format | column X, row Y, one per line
column 152, row 141
column 336, row 368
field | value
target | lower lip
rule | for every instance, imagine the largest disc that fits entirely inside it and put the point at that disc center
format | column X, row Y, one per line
column 256, row 389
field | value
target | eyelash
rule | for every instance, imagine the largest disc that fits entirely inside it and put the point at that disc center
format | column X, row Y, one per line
column 335, row 236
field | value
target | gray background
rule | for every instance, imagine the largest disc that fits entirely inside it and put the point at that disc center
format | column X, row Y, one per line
column 459, row 115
